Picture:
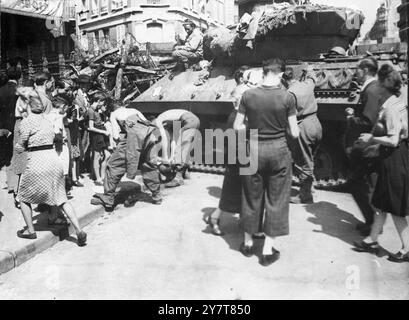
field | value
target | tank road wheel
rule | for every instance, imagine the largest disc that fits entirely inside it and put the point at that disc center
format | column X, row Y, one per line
column 329, row 169
column 324, row 164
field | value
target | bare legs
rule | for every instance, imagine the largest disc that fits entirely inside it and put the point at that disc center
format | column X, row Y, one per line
column 104, row 164
column 69, row 211
column 214, row 220
column 377, row 226
column 100, row 160
column 96, row 164
column 27, row 215
column 401, row 224
column 74, row 170
column 67, row 207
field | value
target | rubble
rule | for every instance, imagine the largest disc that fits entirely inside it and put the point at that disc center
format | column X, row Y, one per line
column 123, row 72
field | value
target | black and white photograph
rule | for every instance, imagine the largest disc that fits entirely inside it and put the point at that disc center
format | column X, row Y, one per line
column 204, row 150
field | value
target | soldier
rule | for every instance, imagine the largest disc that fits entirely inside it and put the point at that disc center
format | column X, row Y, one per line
column 135, row 138
column 305, row 147
column 181, row 141
column 192, row 49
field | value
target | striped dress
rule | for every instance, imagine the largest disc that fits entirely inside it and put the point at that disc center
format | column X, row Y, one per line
column 42, row 182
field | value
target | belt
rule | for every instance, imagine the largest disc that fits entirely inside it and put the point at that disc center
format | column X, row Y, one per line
column 40, row 148
column 305, row 116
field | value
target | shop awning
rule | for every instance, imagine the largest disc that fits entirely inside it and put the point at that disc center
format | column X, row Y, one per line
column 39, row 8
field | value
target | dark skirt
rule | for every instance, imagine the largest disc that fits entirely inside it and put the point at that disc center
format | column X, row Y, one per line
column 97, row 142
column 392, row 188
column 230, row 200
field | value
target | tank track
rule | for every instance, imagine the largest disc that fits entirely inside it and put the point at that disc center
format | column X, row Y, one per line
column 330, row 184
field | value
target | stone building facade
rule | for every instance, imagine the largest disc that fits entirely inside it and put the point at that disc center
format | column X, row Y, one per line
column 154, row 21
column 385, row 28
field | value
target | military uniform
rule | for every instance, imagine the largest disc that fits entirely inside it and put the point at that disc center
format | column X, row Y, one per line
column 134, row 151
column 305, row 148
column 192, row 51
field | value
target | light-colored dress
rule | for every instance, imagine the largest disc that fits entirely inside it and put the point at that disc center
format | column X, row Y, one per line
column 42, row 182
column 57, row 120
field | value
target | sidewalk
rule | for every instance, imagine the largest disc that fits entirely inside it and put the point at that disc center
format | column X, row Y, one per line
column 14, row 251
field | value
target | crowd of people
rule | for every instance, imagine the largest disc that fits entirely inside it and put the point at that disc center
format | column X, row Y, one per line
column 284, row 112
column 54, row 132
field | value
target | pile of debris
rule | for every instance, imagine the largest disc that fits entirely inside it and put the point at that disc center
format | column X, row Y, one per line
column 123, row 72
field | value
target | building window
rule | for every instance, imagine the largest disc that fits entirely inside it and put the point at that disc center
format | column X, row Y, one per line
column 83, row 14
column 117, row 4
column 155, row 32
column 85, row 6
column 121, row 31
column 104, row 6
column 95, row 8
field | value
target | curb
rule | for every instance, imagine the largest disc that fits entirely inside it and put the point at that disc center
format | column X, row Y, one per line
column 12, row 259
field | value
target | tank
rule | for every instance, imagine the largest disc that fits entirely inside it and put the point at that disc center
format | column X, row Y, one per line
column 335, row 91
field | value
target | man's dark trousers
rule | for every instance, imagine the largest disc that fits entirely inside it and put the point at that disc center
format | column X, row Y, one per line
column 362, row 184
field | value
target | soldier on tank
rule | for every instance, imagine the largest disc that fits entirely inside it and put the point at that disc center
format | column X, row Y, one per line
column 191, row 51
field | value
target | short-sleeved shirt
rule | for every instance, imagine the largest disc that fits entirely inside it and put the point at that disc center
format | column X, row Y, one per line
column 96, row 117
column 394, row 117
column 305, row 98
column 267, row 109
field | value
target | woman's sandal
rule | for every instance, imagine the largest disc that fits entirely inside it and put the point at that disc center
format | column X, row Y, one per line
column 363, row 246
column 214, row 225
column 399, row 257
column 23, row 235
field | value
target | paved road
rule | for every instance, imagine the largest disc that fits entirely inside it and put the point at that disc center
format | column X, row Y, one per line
column 165, row 252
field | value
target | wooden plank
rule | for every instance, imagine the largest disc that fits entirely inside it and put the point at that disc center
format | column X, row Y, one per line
column 105, row 54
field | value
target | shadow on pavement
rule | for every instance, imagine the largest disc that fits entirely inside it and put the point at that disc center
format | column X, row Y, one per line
column 41, row 224
column 334, row 221
column 129, row 194
column 215, row 192
column 233, row 236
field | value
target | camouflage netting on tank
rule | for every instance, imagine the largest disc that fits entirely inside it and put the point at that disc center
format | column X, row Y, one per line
column 255, row 29
column 280, row 15
column 335, row 79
